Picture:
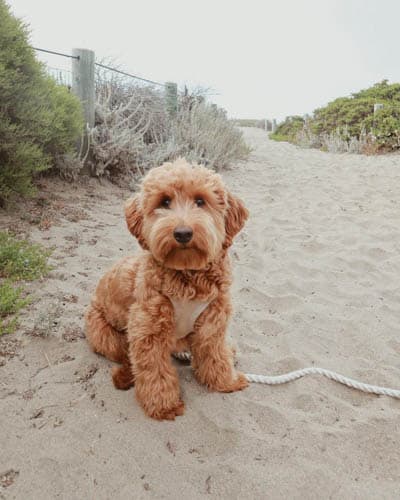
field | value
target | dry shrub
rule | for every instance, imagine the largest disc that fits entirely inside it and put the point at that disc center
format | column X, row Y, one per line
column 337, row 141
column 205, row 135
column 134, row 132
column 371, row 147
column 70, row 165
column 340, row 141
column 305, row 138
column 127, row 124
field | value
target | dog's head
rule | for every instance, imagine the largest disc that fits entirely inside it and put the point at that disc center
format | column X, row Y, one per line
column 184, row 215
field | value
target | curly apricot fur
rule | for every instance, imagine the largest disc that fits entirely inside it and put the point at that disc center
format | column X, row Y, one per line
column 131, row 318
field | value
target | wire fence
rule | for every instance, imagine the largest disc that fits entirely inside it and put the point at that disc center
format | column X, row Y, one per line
column 55, row 53
column 94, row 82
column 60, row 75
column 65, row 77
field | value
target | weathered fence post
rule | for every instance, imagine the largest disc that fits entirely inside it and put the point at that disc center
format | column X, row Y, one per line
column 171, row 98
column 83, row 87
column 273, row 126
column 83, row 81
column 266, row 125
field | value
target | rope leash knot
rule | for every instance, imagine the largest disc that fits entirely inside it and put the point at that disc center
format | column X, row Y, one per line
column 312, row 370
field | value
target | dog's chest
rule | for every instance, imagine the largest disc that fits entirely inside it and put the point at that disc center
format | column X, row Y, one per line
column 186, row 313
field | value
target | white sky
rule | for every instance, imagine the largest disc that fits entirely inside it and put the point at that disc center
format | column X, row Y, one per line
column 266, row 58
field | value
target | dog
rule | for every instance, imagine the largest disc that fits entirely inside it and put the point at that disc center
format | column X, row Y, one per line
column 175, row 294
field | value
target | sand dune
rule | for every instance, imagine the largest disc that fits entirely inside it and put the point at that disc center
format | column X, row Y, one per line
column 317, row 273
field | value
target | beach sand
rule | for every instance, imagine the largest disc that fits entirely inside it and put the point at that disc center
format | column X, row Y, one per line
column 317, row 272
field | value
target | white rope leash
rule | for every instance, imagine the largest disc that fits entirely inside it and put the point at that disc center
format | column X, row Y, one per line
column 288, row 377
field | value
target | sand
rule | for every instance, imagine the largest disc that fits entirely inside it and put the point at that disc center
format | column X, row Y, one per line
column 316, row 283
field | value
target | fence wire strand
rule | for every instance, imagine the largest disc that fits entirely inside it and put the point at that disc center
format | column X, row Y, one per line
column 55, row 53
column 152, row 82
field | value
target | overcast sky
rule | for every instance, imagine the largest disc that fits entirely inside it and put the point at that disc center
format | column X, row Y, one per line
column 265, row 58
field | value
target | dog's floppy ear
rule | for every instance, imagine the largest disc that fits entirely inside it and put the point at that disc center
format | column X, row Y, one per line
column 235, row 218
column 134, row 220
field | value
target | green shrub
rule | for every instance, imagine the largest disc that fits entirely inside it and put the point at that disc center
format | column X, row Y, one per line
column 385, row 126
column 38, row 119
column 381, row 92
column 350, row 121
column 346, row 113
column 287, row 130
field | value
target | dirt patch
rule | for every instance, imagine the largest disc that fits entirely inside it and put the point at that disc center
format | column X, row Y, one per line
column 73, row 333
column 9, row 347
column 86, row 373
column 7, row 478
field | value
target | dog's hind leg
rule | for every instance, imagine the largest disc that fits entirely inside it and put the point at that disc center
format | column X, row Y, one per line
column 123, row 377
column 103, row 338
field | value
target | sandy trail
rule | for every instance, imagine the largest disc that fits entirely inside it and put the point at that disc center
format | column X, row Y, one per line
column 316, row 283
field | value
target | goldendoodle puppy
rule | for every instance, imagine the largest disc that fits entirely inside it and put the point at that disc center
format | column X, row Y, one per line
column 174, row 295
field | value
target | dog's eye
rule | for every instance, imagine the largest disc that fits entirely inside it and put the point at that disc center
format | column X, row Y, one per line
column 199, row 202
column 165, row 202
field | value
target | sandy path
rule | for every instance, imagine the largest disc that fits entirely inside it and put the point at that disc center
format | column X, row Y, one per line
column 316, row 282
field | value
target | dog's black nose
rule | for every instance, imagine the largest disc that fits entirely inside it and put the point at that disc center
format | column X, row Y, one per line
column 183, row 234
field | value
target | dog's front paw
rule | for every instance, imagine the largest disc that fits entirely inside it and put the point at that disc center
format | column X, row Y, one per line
column 166, row 413
column 241, row 382
column 238, row 384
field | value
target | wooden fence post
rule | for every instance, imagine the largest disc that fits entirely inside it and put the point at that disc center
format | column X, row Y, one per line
column 83, row 87
column 83, row 81
column 273, row 127
column 171, row 98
